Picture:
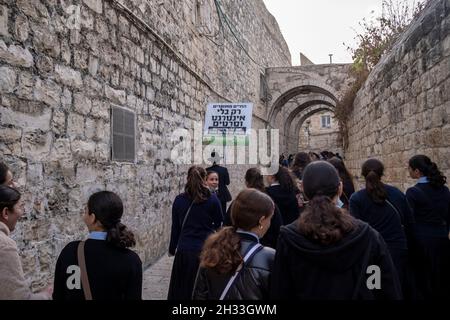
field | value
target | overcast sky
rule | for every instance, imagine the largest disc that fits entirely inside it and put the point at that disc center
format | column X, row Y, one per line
column 319, row 27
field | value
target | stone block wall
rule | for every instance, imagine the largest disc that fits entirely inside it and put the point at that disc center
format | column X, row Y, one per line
column 64, row 64
column 404, row 107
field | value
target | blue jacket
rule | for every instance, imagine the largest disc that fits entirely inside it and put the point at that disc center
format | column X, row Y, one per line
column 431, row 209
column 204, row 218
column 382, row 217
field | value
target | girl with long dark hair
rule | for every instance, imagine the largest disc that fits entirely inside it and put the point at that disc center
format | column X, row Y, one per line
column 346, row 178
column 283, row 190
column 384, row 208
column 224, row 253
column 255, row 180
column 430, row 203
column 301, row 160
column 196, row 214
column 327, row 254
column 108, row 269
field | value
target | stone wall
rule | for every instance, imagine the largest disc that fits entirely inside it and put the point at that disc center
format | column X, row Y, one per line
column 404, row 107
column 61, row 72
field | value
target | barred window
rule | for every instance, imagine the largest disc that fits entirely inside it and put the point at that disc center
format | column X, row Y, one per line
column 123, row 133
column 326, row 121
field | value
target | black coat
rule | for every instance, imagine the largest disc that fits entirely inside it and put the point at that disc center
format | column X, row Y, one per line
column 114, row 273
column 251, row 284
column 382, row 217
column 304, row 270
column 271, row 236
column 286, row 202
column 224, row 194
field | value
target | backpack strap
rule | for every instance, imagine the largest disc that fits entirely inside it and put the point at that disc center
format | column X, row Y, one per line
column 250, row 254
column 84, row 275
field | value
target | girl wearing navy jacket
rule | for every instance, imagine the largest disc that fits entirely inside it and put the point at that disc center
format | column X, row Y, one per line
column 114, row 272
column 196, row 214
column 326, row 253
column 430, row 202
column 385, row 209
column 283, row 190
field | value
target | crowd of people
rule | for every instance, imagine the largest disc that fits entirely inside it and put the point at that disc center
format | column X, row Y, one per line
column 304, row 233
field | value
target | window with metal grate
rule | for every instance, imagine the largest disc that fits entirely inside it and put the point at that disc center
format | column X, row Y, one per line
column 123, row 133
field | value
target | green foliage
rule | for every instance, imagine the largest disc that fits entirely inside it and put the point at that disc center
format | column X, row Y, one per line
column 376, row 38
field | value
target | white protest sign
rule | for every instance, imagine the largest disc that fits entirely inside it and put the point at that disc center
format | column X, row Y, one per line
column 228, row 119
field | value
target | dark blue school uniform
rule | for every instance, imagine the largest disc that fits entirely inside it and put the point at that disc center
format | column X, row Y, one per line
column 186, row 243
column 392, row 224
column 286, row 202
column 431, row 246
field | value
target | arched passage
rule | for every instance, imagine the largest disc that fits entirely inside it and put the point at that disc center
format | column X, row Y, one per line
column 305, row 107
column 292, row 92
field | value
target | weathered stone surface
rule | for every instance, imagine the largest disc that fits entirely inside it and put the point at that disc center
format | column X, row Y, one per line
column 82, row 104
column 16, row 55
column 8, row 78
column 83, row 150
column 44, row 64
column 25, row 121
column 115, row 96
column 68, row 76
column 4, row 21
column 95, row 5
column 100, row 109
column 48, row 92
column 46, row 42
column 93, row 65
column 413, row 106
column 56, row 117
column 36, row 145
column 22, row 28
column 34, row 9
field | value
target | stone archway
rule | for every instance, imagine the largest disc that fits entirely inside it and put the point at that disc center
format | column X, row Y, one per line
column 296, row 91
column 307, row 107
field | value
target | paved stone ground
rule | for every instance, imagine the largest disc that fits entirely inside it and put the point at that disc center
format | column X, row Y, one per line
column 156, row 279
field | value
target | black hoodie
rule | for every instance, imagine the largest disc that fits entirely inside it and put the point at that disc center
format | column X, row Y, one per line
column 305, row 270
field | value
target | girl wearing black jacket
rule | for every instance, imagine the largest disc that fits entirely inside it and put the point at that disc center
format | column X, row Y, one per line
column 430, row 202
column 223, row 253
column 347, row 181
column 385, row 209
column 327, row 254
column 283, row 190
column 113, row 271
column 255, row 180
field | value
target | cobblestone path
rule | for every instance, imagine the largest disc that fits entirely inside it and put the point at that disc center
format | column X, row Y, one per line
column 156, row 279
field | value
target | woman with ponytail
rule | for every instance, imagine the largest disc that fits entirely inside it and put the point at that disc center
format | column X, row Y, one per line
column 233, row 265
column 283, row 190
column 384, row 208
column 113, row 272
column 196, row 214
column 327, row 254
column 430, row 203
